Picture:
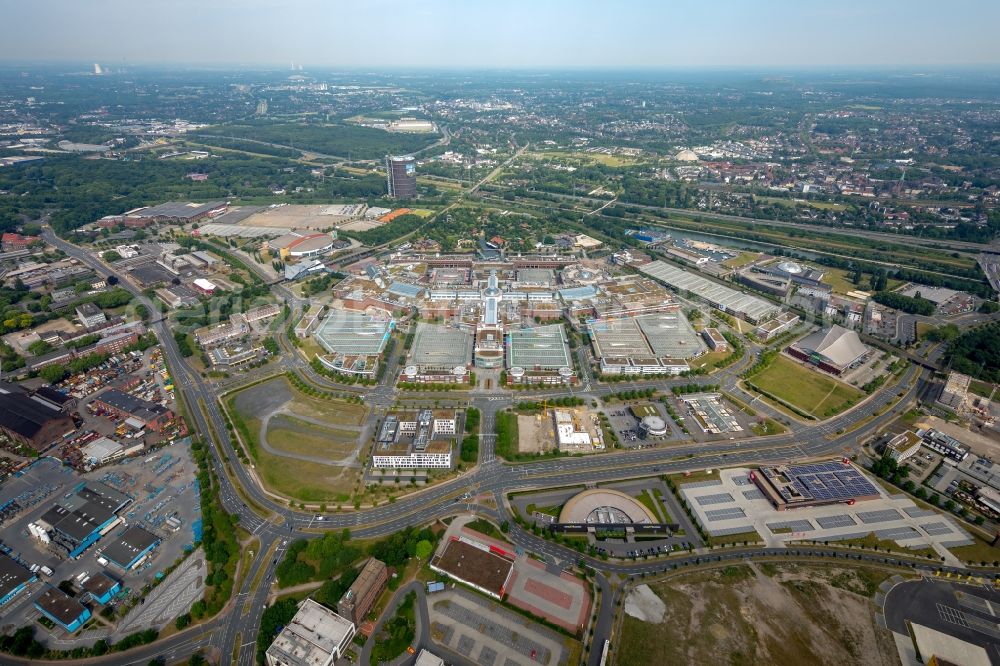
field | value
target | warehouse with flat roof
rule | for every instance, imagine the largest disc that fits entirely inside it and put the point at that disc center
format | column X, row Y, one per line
column 131, row 548
column 13, row 578
column 745, row 306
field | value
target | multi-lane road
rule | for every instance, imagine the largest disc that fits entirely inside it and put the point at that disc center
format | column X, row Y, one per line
column 235, row 629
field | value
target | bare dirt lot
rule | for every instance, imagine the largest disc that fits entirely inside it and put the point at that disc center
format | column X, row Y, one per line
column 536, row 434
column 760, row 614
column 314, row 217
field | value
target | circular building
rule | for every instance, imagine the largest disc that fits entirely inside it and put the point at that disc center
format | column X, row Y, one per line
column 790, row 268
column 653, row 426
column 604, row 506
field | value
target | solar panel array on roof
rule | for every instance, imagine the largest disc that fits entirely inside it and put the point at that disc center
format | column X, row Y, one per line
column 753, row 494
column 825, row 481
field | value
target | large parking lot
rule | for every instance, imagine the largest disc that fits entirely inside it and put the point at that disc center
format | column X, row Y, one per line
column 732, row 504
column 488, row 634
column 164, row 501
column 626, row 425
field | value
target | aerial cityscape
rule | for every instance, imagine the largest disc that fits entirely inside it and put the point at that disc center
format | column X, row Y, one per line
column 445, row 334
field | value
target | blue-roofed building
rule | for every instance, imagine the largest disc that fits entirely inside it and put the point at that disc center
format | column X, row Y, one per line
column 14, row 578
column 102, row 587
column 131, row 548
column 62, row 609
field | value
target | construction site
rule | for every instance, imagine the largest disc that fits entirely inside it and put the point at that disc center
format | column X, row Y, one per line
column 564, row 429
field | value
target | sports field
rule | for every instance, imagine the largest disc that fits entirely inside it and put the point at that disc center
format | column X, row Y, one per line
column 809, row 390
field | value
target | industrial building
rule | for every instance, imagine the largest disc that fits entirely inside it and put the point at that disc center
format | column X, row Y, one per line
column 62, row 609
column 359, row 599
column 14, row 578
column 316, row 636
column 401, row 176
column 77, row 522
column 175, row 211
column 745, row 306
column 101, row 587
column 539, row 355
column 131, row 548
column 151, row 415
column 813, row 484
column 353, row 341
column 31, row 422
column 415, row 440
column 439, row 354
column 834, row 350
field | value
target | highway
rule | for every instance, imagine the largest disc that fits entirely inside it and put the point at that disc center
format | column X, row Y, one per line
column 240, row 619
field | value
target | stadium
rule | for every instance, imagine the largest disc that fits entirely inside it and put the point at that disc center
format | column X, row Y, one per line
column 834, row 350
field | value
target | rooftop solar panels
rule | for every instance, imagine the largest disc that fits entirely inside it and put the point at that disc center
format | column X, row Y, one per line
column 819, row 482
column 753, row 494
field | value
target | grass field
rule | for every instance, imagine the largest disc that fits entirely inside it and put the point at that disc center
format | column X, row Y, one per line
column 839, row 280
column 807, row 389
column 306, row 481
column 300, row 480
column 293, row 435
column 741, row 260
column 768, row 427
column 709, row 360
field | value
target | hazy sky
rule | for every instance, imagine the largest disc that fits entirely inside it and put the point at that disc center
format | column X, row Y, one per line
column 504, row 33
